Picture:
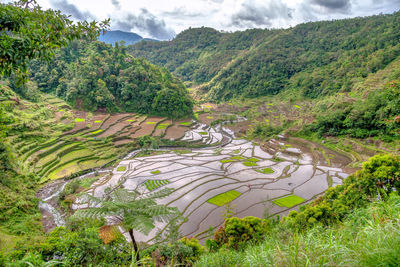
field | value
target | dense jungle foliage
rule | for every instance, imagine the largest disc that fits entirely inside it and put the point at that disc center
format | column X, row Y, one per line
column 94, row 75
column 376, row 114
column 317, row 58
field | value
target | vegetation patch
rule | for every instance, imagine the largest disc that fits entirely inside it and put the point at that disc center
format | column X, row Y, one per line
column 121, row 169
column 289, row 201
column 99, row 121
column 237, row 157
column 249, row 164
column 151, row 122
column 203, row 133
column 156, row 172
column 210, row 117
column 224, row 198
column 227, row 160
column 79, row 120
column 130, row 120
column 163, row 126
column 186, row 123
column 296, row 106
column 253, row 159
column 98, row 131
column 266, row 170
column 154, row 184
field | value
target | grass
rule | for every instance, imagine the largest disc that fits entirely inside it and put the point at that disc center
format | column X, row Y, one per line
column 121, row 169
column 87, row 182
column 154, row 184
column 79, row 120
column 151, row 122
column 203, row 133
column 98, row 131
column 224, row 198
column 63, row 171
column 289, row 201
column 266, row 170
column 156, row 172
column 186, row 123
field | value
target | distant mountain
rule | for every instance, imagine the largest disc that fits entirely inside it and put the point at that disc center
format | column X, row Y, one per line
column 110, row 37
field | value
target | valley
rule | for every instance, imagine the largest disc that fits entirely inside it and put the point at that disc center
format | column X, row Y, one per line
column 256, row 147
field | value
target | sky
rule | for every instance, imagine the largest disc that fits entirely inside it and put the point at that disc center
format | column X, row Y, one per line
column 163, row 19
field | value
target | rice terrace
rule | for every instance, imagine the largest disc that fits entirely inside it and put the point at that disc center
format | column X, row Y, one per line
column 232, row 133
column 223, row 172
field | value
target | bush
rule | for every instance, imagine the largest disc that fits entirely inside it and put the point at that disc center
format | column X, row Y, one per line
column 376, row 180
column 236, row 232
column 185, row 251
column 75, row 246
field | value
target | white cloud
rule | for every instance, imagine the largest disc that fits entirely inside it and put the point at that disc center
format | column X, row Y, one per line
column 164, row 18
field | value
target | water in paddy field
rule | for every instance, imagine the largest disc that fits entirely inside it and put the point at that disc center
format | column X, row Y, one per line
column 253, row 181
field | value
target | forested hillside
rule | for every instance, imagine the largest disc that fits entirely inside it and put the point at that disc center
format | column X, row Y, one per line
column 317, row 58
column 96, row 76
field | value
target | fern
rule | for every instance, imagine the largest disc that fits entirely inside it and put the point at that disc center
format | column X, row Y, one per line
column 130, row 210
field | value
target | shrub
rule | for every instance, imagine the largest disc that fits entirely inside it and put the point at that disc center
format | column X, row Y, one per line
column 236, row 232
column 378, row 177
column 78, row 245
column 185, row 251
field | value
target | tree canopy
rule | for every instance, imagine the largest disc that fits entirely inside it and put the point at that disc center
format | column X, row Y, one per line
column 28, row 32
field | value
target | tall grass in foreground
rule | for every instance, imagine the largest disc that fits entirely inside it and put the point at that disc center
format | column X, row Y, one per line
column 369, row 237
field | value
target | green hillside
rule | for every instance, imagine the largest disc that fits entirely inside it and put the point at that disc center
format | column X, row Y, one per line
column 317, row 58
column 96, row 76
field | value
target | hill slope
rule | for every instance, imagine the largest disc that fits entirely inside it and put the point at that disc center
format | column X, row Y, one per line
column 97, row 76
column 317, row 58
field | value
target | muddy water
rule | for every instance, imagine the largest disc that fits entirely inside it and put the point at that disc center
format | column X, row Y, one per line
column 223, row 166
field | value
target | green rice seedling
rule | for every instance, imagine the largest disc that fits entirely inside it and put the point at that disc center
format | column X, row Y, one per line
column 266, row 170
column 156, row 172
column 249, row 164
column 289, row 201
column 121, row 168
column 227, row 160
column 253, row 159
column 96, row 132
column 238, row 158
column 224, row 198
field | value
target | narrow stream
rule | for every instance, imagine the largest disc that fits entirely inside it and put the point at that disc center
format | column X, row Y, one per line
column 49, row 194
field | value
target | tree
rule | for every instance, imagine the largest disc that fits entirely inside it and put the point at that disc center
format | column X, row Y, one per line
column 27, row 32
column 130, row 210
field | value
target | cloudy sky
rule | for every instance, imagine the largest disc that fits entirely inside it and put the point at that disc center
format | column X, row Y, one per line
column 163, row 19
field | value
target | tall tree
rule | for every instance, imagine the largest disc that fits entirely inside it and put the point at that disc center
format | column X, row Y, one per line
column 28, row 32
column 130, row 210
